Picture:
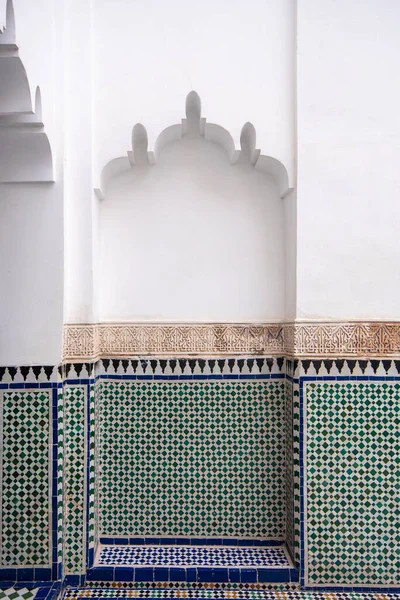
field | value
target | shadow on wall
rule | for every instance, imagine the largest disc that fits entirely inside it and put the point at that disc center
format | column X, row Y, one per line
column 25, row 153
column 193, row 230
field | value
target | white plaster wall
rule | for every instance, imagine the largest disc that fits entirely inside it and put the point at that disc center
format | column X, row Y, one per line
column 209, row 254
column 31, row 215
column 31, row 274
column 37, row 38
column 348, row 159
column 192, row 238
column 238, row 56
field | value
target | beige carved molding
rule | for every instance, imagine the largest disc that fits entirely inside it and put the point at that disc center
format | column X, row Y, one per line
column 344, row 339
column 88, row 342
column 347, row 339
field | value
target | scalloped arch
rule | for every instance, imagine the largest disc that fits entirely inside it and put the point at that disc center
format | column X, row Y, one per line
column 194, row 125
column 25, row 152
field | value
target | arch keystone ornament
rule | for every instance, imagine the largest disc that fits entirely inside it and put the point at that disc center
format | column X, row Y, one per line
column 195, row 126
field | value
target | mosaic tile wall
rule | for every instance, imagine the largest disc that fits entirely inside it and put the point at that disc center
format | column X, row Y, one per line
column 26, row 478
column 289, row 469
column 352, row 468
column 74, row 534
column 191, row 458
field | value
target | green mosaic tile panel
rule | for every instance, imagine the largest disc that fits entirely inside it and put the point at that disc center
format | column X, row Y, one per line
column 192, row 458
column 74, row 479
column 25, row 470
column 353, row 478
column 289, row 469
column 296, row 470
column 60, row 473
column 92, row 473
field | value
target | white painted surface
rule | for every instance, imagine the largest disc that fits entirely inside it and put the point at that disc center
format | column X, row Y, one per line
column 192, row 238
column 239, row 57
column 31, row 274
column 79, row 193
column 348, row 159
column 100, row 72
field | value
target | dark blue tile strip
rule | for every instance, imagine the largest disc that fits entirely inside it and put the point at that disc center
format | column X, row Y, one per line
column 189, row 541
column 191, row 574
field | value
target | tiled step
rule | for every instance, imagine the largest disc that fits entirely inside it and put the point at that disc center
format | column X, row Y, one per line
column 192, row 563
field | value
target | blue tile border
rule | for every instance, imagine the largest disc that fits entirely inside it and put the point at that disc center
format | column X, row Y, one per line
column 192, row 574
column 190, row 541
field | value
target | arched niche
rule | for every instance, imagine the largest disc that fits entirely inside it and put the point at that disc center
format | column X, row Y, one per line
column 193, row 230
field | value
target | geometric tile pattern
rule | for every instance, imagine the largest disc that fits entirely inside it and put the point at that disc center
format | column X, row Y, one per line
column 289, row 468
column 20, row 594
column 353, row 465
column 25, row 472
column 296, row 470
column 60, row 473
column 191, row 458
column 191, row 556
column 223, row 594
column 74, row 478
column 91, row 467
column 177, row 367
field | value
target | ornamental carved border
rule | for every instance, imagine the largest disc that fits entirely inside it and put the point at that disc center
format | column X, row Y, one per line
column 347, row 339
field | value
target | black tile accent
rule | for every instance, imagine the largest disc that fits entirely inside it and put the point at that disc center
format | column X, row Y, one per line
column 317, row 364
column 36, row 371
column 78, row 368
column 163, row 364
column 24, row 373
column 172, row 364
column 12, row 371
column 351, row 364
column 231, row 364
column 280, row 361
column 125, row 365
column 106, row 363
column 375, row 365
column 339, row 364
column 397, row 365
column 363, row 365
column 182, row 364
column 115, row 364
column 211, row 364
column 328, row 364
column 153, row 364
column 202, row 363
column 386, row 365
column 240, row 364
column 250, row 363
column 192, row 364
column 221, row 364
column 48, row 371
column 306, row 365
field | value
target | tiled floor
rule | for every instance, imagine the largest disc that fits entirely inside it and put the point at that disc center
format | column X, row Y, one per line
column 211, row 594
column 192, row 556
column 21, row 594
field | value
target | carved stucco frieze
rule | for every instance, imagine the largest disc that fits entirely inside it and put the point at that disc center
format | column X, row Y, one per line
column 90, row 341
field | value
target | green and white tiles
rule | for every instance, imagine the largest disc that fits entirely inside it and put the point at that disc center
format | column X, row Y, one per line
column 26, row 478
column 74, row 534
column 191, row 458
column 352, row 493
